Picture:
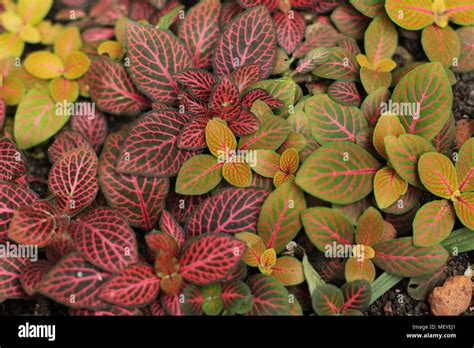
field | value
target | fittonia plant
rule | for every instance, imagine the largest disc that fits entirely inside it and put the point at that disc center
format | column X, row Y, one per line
column 215, row 153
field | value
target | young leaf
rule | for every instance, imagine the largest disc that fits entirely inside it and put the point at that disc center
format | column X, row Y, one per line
column 465, row 166
column 151, row 149
column 373, row 80
column 404, row 153
column 12, row 197
column 380, row 40
column 340, row 65
column 155, row 56
column 279, row 221
column 225, row 99
column 198, row 82
column 135, row 286
column 248, row 39
column 139, row 198
column 11, row 269
column 111, row 88
column 422, row 87
column 438, row 175
column 32, row 275
column 388, row 187
column 34, row 224
column 325, row 227
column 401, row 258
column 410, row 14
column 37, row 119
column 387, row 124
column 210, row 258
column 75, row 283
column 338, row 172
column 162, row 241
column 73, row 180
column 104, row 238
column 199, row 175
column 359, row 269
column 44, row 65
column 289, row 28
column 12, row 161
column 200, row 31
column 269, row 296
column 441, row 44
column 255, row 248
column 327, row 300
column 332, row 121
column 433, row 222
column 68, row 41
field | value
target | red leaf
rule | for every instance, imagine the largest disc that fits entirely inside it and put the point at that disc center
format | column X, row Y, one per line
column 139, row 198
column 350, row 21
column 290, row 29
column 156, row 55
column 151, row 145
column 94, row 129
column 246, row 123
column 198, row 82
column 193, row 105
column 111, row 311
column 229, row 10
column 230, row 211
column 135, row 286
column 33, row 273
column 260, row 94
column 210, row 258
column 12, row 161
column 73, row 180
column 172, row 304
column 111, row 88
column 159, row 240
column 181, row 207
column 200, row 30
column 270, row 4
column 104, row 238
column 12, row 197
column 3, row 113
column 302, row 4
column 169, row 225
column 245, row 76
column 248, row 39
column 61, row 245
column 34, row 224
column 325, row 6
column 194, row 300
column 193, row 134
column 65, row 142
column 10, row 272
column 225, row 99
column 75, row 283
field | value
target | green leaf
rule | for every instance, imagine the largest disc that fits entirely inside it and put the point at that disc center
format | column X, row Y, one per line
column 168, row 19
column 410, row 14
column 327, row 300
column 441, row 44
column 465, row 61
column 433, row 222
column 382, row 284
column 331, row 121
column 373, row 80
column 404, row 152
column 464, row 206
column 401, row 258
column 288, row 271
column 267, row 164
column 269, row 296
column 37, row 119
column 283, row 89
column 199, row 175
column 279, row 221
column 369, row 227
column 388, row 187
column 338, row 172
column 372, row 104
column 438, row 175
column 340, row 65
column 465, row 166
column 272, row 133
column 327, row 228
column 380, row 40
column 459, row 241
column 444, row 140
column 353, row 211
column 420, row 287
column 369, row 8
column 428, row 91
column 357, row 295
column 313, row 279
column 405, row 203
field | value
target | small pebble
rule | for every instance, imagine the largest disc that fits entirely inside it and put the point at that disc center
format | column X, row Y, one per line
column 453, row 298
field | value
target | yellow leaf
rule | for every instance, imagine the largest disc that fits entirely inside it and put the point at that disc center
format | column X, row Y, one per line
column 363, row 61
column 385, row 65
column 220, row 139
column 113, row 49
column 49, row 32
column 289, row 161
column 28, row 80
column 281, row 177
column 30, row 34
column 119, row 29
column 12, row 45
column 388, row 124
column 68, row 41
column 267, row 261
column 83, row 87
column 34, row 11
column 439, row 15
column 237, row 174
column 44, row 65
column 62, row 90
column 12, row 91
column 12, row 22
column 288, row 271
column 388, row 187
column 76, row 65
column 255, row 248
